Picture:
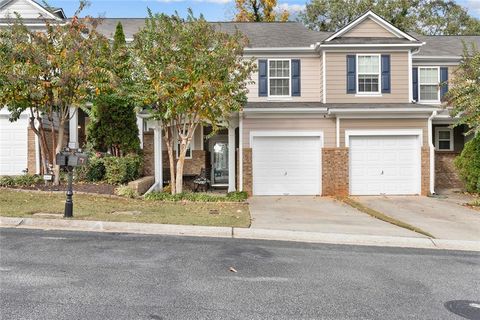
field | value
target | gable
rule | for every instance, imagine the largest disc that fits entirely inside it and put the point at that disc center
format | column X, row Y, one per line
column 26, row 8
column 368, row 28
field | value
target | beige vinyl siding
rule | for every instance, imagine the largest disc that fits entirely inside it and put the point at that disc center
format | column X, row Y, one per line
column 373, row 124
column 327, row 125
column 369, row 28
column 336, row 64
column 24, row 8
column 310, row 82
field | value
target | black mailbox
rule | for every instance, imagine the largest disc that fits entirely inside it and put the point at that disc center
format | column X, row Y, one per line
column 62, row 159
column 77, row 159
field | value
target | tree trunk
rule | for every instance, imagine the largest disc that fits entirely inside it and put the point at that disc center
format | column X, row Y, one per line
column 58, row 148
column 171, row 158
column 180, row 163
column 43, row 146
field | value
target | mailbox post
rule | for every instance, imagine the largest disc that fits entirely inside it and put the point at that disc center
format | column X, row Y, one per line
column 68, row 159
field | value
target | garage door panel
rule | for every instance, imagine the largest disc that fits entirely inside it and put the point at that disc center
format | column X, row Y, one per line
column 13, row 146
column 286, row 165
column 384, row 165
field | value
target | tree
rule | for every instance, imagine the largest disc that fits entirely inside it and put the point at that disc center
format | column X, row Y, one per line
column 429, row 17
column 189, row 73
column 259, row 11
column 464, row 90
column 113, row 124
column 65, row 69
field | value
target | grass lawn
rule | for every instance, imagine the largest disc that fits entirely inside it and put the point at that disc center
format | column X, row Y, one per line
column 91, row 207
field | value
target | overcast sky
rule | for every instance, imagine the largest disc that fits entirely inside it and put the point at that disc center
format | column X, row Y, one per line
column 213, row 10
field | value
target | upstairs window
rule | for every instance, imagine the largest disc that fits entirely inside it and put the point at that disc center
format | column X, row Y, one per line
column 368, row 73
column 428, row 82
column 279, row 78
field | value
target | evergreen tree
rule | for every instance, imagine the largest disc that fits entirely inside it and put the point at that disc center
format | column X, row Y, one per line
column 113, row 126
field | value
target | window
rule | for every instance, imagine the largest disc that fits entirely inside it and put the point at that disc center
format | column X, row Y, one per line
column 428, row 81
column 444, row 139
column 188, row 154
column 368, row 73
column 279, row 78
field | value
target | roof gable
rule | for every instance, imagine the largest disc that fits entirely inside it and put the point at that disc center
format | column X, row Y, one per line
column 27, row 9
column 367, row 23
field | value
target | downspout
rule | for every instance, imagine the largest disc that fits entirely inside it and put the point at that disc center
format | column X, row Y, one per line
column 432, row 153
column 37, row 151
column 240, row 150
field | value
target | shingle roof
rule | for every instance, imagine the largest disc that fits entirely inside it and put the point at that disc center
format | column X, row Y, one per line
column 445, row 45
column 369, row 40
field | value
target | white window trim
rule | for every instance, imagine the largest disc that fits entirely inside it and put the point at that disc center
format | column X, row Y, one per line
column 189, row 145
column 373, row 93
column 429, row 84
column 289, row 78
column 437, row 138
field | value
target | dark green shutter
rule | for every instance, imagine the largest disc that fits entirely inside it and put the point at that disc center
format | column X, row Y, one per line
column 415, row 83
column 351, row 74
column 443, row 81
column 385, row 73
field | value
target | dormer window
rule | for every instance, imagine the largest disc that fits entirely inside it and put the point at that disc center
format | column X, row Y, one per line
column 368, row 73
column 428, row 82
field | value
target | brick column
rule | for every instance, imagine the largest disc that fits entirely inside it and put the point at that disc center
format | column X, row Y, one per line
column 247, row 171
column 335, row 172
column 425, row 180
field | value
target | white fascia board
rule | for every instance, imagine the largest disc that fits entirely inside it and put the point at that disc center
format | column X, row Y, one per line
column 382, row 110
column 285, row 110
column 372, row 45
column 382, row 22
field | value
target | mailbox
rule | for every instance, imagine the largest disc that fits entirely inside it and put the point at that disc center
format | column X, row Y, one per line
column 62, row 159
column 71, row 158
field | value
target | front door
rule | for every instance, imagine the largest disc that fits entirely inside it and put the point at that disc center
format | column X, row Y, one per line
column 219, row 160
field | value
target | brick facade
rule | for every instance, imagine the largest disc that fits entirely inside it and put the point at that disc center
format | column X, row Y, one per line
column 247, row 171
column 446, row 175
column 425, row 179
column 335, row 172
column 31, row 147
column 191, row 166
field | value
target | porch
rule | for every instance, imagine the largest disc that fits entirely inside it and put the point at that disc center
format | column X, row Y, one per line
column 211, row 154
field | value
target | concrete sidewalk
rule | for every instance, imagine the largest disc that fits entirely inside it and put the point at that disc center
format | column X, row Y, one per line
column 238, row 233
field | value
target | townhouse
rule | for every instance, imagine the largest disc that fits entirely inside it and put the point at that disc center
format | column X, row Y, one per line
column 357, row 112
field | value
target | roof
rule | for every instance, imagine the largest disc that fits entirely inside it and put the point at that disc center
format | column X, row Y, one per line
column 445, row 45
column 370, row 40
column 260, row 34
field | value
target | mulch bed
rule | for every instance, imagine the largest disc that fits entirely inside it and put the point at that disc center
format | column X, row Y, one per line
column 100, row 188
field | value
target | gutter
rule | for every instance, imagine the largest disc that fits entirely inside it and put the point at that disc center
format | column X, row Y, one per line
column 432, row 152
column 393, row 110
column 285, row 110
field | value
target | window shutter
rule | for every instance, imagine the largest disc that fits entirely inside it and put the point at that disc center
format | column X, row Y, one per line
column 351, row 75
column 262, row 78
column 443, row 81
column 415, row 83
column 296, row 77
column 386, row 73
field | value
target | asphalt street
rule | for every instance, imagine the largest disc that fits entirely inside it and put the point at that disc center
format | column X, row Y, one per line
column 79, row 275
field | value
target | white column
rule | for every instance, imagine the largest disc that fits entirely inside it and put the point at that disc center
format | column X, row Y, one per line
column 157, row 154
column 240, row 150
column 73, row 128
column 231, row 158
column 140, row 130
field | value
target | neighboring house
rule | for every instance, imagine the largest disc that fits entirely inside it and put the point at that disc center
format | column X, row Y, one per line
column 355, row 112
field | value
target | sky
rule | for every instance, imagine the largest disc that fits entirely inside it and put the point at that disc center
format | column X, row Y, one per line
column 213, row 10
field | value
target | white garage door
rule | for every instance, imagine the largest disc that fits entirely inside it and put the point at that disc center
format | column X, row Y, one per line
column 286, row 165
column 384, row 165
column 13, row 146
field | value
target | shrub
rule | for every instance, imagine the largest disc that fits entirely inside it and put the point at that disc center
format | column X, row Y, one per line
column 120, row 170
column 468, row 165
column 96, row 169
column 7, row 181
column 196, row 197
column 126, row 191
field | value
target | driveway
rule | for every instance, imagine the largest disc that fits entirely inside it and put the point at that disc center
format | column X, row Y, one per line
column 318, row 214
column 443, row 218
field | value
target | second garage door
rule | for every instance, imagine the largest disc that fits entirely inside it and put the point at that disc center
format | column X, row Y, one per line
column 384, row 165
column 13, row 146
column 286, row 165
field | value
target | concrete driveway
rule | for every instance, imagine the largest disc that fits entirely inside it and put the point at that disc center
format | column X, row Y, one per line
column 317, row 214
column 443, row 218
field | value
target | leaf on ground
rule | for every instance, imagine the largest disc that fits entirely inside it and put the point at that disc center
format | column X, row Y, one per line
column 232, row 269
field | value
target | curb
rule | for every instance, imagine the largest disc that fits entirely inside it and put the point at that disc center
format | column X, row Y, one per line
column 238, row 233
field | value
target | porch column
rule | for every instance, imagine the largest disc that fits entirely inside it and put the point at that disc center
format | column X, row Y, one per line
column 158, row 155
column 140, row 130
column 231, row 158
column 73, row 128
